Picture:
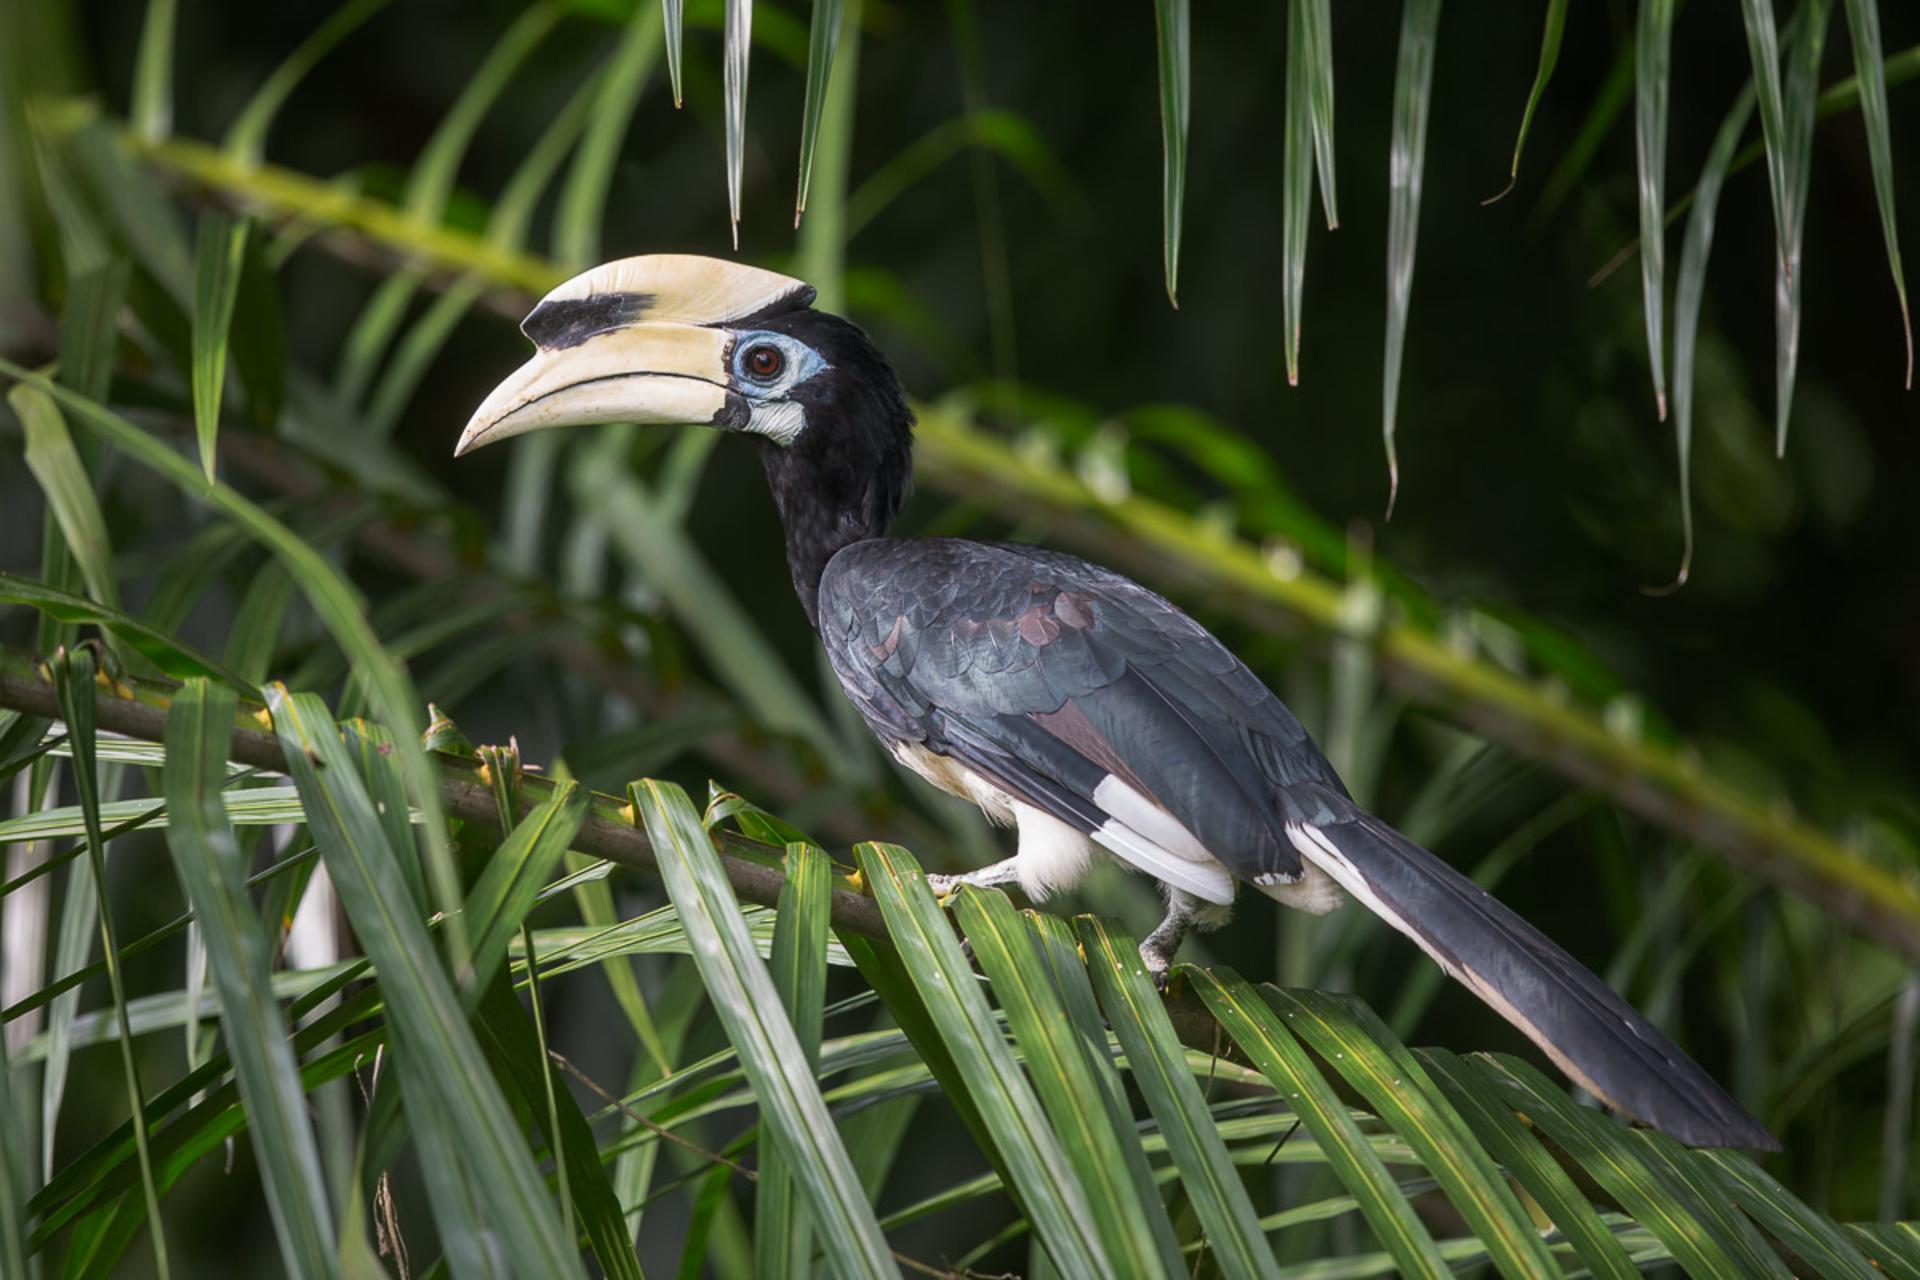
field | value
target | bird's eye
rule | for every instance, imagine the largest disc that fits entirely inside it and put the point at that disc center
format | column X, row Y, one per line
column 764, row 362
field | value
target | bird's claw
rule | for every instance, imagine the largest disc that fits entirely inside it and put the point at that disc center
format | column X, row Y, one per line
column 1159, row 966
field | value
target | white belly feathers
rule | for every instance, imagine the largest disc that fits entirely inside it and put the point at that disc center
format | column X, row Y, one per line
column 1054, row 855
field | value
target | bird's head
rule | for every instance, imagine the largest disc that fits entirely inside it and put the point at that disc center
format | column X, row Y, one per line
column 673, row 338
column 670, row 338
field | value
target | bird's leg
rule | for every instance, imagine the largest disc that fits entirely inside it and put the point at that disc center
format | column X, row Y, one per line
column 1006, row 871
column 1157, row 951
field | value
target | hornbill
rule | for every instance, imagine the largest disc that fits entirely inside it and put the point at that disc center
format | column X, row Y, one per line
column 1062, row 698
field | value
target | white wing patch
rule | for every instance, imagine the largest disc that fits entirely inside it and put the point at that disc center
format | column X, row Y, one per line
column 1142, row 834
column 1127, row 805
column 1208, row 881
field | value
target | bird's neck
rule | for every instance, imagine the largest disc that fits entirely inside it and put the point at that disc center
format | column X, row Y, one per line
column 827, row 502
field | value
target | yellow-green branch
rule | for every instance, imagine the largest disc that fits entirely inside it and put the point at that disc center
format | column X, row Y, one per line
column 137, row 708
column 1660, row 782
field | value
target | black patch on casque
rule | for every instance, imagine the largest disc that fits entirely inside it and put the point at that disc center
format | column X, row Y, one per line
column 800, row 297
column 568, row 322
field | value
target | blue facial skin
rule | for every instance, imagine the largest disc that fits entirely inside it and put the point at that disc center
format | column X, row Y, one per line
column 798, row 363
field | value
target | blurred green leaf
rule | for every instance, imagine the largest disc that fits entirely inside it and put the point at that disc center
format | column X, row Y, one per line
column 737, row 48
column 429, row 183
column 1297, row 160
column 1608, row 1153
column 173, row 656
column 1512, row 1142
column 1556, row 25
column 1348, row 1035
column 730, row 639
column 1800, row 90
column 208, row 860
column 246, row 140
column 256, row 623
column 258, row 337
column 770, row 1051
column 1319, row 30
column 1260, row 1034
column 1690, row 287
column 63, row 479
column 672, row 14
column 1406, row 166
column 1041, row 1176
column 1058, row 1065
column 1007, row 134
column 506, row 227
column 136, row 208
column 1158, row 1062
column 15, row 1180
column 217, row 264
column 336, row 601
column 73, row 675
column 823, row 37
column 1869, row 66
column 90, row 327
column 515, row 874
column 782, row 1232
column 153, row 72
column 583, row 196
column 1171, row 27
column 1653, row 68
column 444, row 1079
column 1815, row 1238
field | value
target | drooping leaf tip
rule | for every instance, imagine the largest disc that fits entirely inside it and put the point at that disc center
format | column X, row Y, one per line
column 1679, row 579
column 1906, row 328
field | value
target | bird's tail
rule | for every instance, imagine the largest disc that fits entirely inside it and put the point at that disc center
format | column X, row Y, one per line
column 1593, row 1035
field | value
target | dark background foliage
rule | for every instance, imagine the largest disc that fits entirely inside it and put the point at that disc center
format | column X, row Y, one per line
column 1535, row 469
column 1535, row 475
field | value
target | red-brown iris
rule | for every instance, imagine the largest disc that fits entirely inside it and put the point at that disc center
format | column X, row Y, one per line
column 764, row 362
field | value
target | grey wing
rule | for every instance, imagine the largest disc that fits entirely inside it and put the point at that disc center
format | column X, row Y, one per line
column 1079, row 693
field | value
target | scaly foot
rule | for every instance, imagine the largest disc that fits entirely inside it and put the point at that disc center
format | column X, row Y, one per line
column 1159, row 964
